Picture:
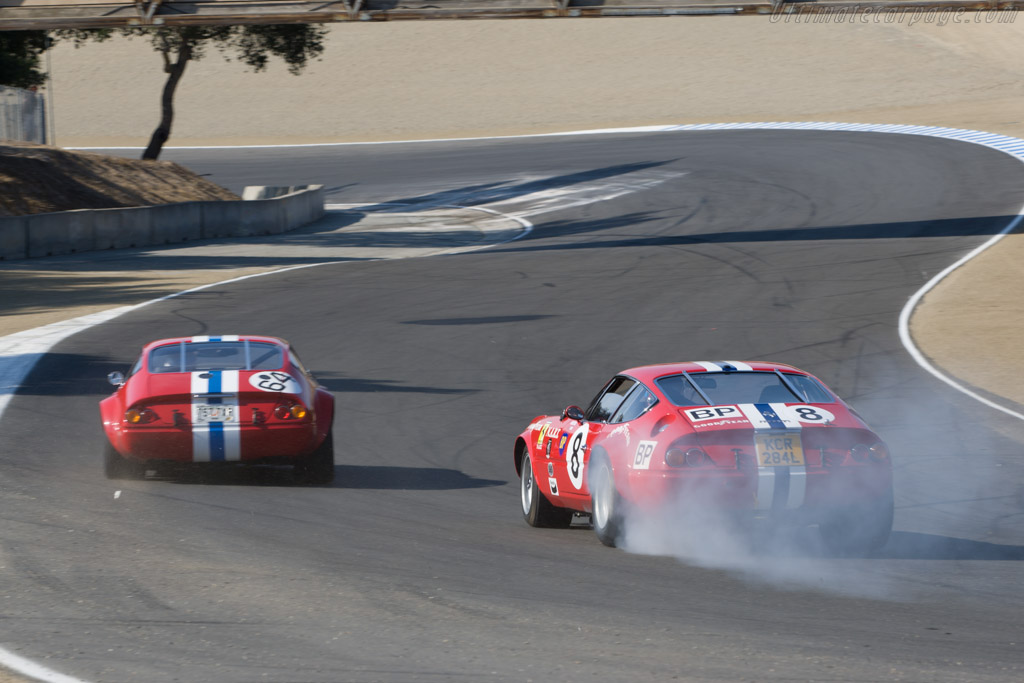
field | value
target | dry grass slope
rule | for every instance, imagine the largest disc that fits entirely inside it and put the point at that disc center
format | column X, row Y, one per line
column 38, row 179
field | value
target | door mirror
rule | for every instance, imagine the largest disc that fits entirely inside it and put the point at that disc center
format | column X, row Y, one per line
column 116, row 378
column 573, row 413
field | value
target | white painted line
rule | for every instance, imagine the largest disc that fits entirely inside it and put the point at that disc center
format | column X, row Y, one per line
column 29, row 668
column 908, row 311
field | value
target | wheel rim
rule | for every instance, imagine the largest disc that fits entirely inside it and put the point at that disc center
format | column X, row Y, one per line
column 526, row 485
column 602, row 497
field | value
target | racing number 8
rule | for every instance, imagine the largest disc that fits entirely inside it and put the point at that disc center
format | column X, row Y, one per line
column 809, row 414
column 576, row 453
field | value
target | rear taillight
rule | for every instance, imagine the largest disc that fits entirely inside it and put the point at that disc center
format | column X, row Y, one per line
column 290, row 411
column 689, row 457
column 860, row 452
column 139, row 416
column 879, row 452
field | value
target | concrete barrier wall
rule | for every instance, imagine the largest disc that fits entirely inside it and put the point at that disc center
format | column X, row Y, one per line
column 72, row 232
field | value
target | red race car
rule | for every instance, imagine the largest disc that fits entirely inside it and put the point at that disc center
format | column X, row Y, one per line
column 747, row 439
column 241, row 399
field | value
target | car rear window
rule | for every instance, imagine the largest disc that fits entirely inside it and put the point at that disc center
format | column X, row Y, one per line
column 730, row 388
column 215, row 355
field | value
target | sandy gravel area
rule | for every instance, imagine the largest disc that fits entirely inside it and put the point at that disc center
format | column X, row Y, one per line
column 415, row 80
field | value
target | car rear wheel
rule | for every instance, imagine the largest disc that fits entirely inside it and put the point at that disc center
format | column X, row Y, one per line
column 858, row 530
column 537, row 509
column 317, row 468
column 117, row 467
column 605, row 502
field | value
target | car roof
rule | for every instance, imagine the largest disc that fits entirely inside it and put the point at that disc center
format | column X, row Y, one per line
column 200, row 339
column 648, row 373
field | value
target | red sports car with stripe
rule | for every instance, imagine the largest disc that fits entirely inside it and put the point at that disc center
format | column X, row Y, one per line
column 749, row 439
column 226, row 399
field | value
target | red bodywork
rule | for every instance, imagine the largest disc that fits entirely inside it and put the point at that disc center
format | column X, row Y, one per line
column 169, row 415
column 716, row 458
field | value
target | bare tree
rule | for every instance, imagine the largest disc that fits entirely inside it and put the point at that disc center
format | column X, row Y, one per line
column 254, row 46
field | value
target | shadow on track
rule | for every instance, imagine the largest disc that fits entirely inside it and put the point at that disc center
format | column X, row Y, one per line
column 343, row 385
column 68, row 374
column 379, row 478
column 952, row 227
column 905, row 545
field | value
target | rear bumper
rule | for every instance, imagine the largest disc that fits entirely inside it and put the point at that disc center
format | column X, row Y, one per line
column 798, row 493
column 248, row 443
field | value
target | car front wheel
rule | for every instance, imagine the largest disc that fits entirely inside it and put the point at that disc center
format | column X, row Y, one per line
column 537, row 509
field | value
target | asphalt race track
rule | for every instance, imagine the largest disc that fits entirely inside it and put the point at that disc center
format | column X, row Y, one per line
column 415, row 565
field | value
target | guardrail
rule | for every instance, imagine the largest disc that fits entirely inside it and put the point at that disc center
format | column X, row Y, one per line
column 72, row 232
column 48, row 14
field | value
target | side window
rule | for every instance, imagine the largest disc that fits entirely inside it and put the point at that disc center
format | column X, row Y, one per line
column 609, row 400
column 636, row 404
column 136, row 367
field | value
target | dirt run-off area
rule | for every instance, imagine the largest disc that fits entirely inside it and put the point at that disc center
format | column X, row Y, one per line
column 40, row 179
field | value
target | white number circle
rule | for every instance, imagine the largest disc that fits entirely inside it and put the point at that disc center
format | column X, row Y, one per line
column 811, row 414
column 574, row 460
column 280, row 382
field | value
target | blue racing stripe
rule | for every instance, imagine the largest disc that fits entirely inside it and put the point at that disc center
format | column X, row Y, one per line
column 214, row 386
column 216, row 428
column 773, row 420
column 217, row 442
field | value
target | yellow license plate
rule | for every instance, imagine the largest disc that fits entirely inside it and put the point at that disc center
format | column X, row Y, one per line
column 779, row 450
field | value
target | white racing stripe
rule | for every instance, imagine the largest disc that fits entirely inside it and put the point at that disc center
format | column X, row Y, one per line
column 772, row 481
column 215, row 441
column 739, row 365
column 710, row 367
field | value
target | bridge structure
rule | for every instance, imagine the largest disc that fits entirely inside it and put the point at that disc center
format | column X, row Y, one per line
column 54, row 14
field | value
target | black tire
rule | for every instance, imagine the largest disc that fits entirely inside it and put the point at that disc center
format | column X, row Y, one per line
column 605, row 502
column 537, row 509
column 117, row 467
column 859, row 530
column 317, row 468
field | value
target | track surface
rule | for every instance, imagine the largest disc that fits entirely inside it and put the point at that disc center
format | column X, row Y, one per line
column 415, row 565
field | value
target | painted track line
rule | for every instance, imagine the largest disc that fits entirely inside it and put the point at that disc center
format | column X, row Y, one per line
column 29, row 668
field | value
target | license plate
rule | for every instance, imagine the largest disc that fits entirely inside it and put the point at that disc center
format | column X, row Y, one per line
column 215, row 413
column 779, row 450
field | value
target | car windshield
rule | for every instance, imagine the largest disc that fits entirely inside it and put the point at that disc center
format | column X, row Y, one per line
column 730, row 388
column 215, row 355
